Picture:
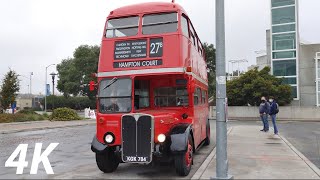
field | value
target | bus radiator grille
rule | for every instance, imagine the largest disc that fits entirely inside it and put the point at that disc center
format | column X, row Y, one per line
column 137, row 138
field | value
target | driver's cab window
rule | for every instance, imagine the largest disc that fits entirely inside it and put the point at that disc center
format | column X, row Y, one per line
column 141, row 94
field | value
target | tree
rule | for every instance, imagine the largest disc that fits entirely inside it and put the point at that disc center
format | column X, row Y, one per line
column 76, row 71
column 210, row 54
column 252, row 85
column 9, row 88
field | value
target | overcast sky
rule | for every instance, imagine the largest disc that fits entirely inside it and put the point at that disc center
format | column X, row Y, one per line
column 36, row 33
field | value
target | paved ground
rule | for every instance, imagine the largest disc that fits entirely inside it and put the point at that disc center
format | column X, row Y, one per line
column 258, row 155
column 74, row 159
column 305, row 136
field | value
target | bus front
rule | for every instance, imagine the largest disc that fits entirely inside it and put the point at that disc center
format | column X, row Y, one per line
column 144, row 107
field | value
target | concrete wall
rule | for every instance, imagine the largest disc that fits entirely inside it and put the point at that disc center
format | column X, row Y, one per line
column 307, row 74
column 268, row 44
column 262, row 61
column 292, row 113
column 24, row 102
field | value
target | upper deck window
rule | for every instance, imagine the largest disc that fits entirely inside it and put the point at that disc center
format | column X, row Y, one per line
column 184, row 26
column 160, row 23
column 122, row 27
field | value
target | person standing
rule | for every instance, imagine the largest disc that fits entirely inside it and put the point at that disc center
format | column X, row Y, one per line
column 274, row 109
column 264, row 110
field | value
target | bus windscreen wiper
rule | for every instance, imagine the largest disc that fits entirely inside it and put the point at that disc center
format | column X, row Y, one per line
column 111, row 82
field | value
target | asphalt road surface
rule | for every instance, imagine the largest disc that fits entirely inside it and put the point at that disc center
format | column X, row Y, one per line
column 73, row 158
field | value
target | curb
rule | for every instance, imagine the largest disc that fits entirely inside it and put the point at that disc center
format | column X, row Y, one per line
column 305, row 159
column 206, row 163
column 47, row 127
column 25, row 122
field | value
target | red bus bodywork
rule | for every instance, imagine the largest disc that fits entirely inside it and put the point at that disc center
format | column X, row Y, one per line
column 182, row 59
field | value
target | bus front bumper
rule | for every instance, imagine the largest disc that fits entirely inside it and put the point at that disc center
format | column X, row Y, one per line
column 97, row 146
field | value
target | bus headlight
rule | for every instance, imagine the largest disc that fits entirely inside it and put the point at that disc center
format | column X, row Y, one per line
column 161, row 138
column 109, row 138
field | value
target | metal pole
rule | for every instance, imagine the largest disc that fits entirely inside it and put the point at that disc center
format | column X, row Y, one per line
column 45, row 93
column 232, row 68
column 238, row 68
column 221, row 101
column 31, row 83
column 53, row 85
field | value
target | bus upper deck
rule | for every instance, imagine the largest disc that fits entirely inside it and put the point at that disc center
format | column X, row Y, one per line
column 150, row 38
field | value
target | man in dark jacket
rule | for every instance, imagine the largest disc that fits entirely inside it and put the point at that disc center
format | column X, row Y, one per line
column 273, row 113
column 264, row 110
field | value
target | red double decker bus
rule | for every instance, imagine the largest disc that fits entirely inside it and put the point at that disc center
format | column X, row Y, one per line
column 152, row 100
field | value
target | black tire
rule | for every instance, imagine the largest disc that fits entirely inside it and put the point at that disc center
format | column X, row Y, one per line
column 107, row 162
column 182, row 166
column 207, row 140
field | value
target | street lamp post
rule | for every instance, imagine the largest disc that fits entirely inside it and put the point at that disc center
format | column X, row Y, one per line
column 45, row 92
column 53, row 76
column 221, row 100
column 31, row 73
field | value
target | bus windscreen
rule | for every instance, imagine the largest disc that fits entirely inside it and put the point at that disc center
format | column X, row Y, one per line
column 122, row 27
column 115, row 97
column 160, row 23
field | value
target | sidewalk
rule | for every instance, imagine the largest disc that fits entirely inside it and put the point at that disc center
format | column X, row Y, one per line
column 6, row 128
column 256, row 155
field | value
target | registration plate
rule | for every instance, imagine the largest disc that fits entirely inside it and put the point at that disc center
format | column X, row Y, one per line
column 136, row 159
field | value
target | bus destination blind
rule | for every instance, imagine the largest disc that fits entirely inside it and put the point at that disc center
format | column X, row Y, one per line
column 130, row 49
column 131, row 64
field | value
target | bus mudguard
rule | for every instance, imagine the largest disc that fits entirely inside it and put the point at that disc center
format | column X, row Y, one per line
column 179, row 138
column 97, row 146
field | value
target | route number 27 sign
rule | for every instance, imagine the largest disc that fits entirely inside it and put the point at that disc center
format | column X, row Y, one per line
column 37, row 158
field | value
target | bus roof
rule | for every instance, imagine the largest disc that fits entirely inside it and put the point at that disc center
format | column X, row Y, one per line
column 149, row 7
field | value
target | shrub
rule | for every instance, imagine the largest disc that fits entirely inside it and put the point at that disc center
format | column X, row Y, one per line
column 250, row 86
column 36, row 109
column 20, row 117
column 27, row 111
column 45, row 115
column 77, row 103
column 64, row 114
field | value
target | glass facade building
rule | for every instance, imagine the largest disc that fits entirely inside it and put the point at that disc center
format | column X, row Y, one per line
column 285, row 42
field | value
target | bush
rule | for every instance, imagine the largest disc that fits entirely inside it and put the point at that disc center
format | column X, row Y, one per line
column 77, row 103
column 250, row 86
column 27, row 111
column 36, row 109
column 64, row 114
column 45, row 115
column 20, row 117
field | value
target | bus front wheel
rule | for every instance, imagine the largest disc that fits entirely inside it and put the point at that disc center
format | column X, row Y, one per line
column 184, row 161
column 107, row 162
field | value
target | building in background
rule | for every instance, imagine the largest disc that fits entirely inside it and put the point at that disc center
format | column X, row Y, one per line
column 24, row 101
column 284, row 35
column 296, row 62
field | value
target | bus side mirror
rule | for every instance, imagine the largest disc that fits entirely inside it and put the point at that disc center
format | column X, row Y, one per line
column 91, row 86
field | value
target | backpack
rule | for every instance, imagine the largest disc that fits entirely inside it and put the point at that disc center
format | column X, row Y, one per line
column 277, row 109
